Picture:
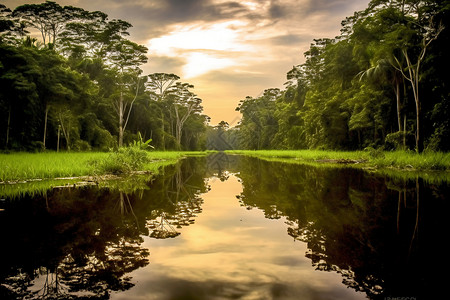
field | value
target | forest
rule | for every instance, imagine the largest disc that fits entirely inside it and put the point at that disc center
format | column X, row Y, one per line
column 382, row 83
column 80, row 86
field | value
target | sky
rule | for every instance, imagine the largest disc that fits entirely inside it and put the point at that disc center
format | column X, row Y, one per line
column 227, row 49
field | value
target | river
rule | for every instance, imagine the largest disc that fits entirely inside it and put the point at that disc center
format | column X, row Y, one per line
column 229, row 227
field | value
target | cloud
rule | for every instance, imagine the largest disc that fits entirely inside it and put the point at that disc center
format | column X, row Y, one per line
column 276, row 11
column 160, row 64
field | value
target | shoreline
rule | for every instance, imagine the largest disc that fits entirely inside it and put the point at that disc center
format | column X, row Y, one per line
column 23, row 167
column 400, row 160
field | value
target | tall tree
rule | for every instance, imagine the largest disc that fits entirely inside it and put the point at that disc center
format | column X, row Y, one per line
column 49, row 18
column 126, row 57
column 160, row 85
column 185, row 104
column 406, row 43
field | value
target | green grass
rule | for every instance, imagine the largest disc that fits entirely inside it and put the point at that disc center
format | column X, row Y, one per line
column 366, row 159
column 45, row 167
column 22, row 166
column 26, row 166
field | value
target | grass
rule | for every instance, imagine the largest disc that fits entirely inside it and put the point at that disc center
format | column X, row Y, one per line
column 28, row 166
column 366, row 159
column 40, row 169
column 23, row 166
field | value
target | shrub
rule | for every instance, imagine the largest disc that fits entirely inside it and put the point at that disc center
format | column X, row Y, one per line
column 394, row 141
column 124, row 160
column 374, row 153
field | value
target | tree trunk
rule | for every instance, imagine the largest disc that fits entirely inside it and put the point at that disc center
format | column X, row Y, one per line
column 163, row 137
column 45, row 124
column 414, row 79
column 7, row 127
column 419, row 142
column 178, row 129
column 178, row 134
column 180, row 123
column 129, row 109
column 121, row 120
column 404, row 131
column 66, row 131
column 59, row 134
column 399, row 105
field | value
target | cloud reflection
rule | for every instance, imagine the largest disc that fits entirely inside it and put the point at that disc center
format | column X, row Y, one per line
column 230, row 253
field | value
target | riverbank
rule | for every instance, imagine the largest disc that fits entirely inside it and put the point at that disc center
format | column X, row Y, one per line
column 26, row 167
column 23, row 166
column 374, row 159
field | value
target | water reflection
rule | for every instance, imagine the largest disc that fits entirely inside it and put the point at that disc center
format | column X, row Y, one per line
column 228, row 227
column 63, row 243
column 377, row 232
column 84, row 242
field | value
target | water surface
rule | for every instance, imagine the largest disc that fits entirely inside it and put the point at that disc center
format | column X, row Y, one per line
column 228, row 227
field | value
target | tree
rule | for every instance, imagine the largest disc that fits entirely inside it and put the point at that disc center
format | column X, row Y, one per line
column 259, row 125
column 49, row 18
column 93, row 36
column 126, row 56
column 10, row 27
column 412, row 73
column 19, row 100
column 406, row 43
column 185, row 104
column 84, row 67
column 160, row 85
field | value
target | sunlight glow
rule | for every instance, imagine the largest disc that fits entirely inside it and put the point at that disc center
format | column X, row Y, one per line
column 220, row 36
column 251, row 5
column 201, row 63
column 202, row 47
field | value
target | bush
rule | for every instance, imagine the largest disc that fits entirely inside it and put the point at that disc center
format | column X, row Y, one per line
column 394, row 141
column 81, row 145
column 374, row 153
column 124, row 160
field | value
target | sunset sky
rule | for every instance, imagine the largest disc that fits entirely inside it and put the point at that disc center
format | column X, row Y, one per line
column 227, row 49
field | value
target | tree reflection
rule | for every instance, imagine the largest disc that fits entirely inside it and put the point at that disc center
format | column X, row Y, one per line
column 162, row 228
column 69, row 242
column 83, row 242
column 181, row 198
column 362, row 226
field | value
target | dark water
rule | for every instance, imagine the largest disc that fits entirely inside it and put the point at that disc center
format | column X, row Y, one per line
column 228, row 227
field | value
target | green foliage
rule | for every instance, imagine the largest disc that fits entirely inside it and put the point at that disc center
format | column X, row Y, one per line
column 375, row 153
column 124, row 160
column 80, row 87
column 139, row 143
column 181, row 124
column 357, row 91
column 400, row 140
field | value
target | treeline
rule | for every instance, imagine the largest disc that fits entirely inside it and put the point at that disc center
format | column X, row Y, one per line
column 80, row 85
column 382, row 83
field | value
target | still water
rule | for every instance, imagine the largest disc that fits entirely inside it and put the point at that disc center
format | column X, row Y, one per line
column 229, row 227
